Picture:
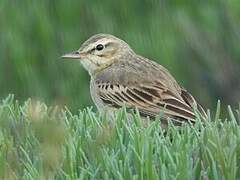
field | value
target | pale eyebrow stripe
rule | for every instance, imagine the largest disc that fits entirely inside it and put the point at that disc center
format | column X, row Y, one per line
column 93, row 49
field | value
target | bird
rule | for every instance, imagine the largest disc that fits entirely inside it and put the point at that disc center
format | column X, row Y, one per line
column 122, row 78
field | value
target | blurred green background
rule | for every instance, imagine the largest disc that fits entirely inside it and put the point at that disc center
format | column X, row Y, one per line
column 198, row 41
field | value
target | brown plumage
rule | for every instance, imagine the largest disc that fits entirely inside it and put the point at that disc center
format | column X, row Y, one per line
column 120, row 77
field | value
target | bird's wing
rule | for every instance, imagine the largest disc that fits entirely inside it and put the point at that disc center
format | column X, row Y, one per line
column 189, row 99
column 150, row 100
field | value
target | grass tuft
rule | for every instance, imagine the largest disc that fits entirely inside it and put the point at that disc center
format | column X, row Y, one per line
column 40, row 142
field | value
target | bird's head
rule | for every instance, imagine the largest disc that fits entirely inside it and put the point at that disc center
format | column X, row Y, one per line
column 99, row 52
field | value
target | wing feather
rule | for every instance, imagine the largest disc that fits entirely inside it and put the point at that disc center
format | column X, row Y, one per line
column 149, row 100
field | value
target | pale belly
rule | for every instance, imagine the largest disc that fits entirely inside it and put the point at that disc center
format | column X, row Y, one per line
column 95, row 97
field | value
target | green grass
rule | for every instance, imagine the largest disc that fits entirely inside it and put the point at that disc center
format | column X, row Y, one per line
column 37, row 142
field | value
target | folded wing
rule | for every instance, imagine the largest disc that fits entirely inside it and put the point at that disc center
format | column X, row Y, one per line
column 150, row 100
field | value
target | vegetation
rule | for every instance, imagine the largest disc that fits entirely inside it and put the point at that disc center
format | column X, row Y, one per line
column 49, row 143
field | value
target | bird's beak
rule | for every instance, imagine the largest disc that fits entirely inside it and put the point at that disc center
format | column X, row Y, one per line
column 73, row 55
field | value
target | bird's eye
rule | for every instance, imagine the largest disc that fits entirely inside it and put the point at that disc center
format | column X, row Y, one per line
column 99, row 47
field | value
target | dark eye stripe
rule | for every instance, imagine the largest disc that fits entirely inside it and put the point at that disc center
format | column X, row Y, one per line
column 95, row 48
column 109, row 43
column 91, row 50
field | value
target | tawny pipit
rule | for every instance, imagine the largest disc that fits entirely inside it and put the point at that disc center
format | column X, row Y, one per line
column 121, row 77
